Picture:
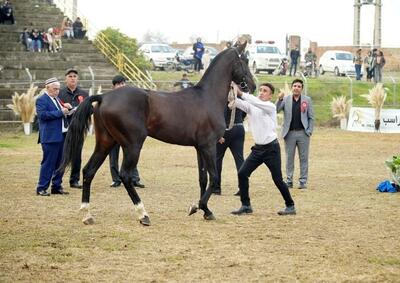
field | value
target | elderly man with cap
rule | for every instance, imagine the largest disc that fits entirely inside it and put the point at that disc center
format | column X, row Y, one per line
column 73, row 95
column 51, row 114
column 119, row 81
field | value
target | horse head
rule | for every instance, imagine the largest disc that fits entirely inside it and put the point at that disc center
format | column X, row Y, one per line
column 241, row 74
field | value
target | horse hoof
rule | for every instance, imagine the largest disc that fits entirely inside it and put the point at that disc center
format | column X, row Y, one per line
column 88, row 220
column 192, row 209
column 209, row 217
column 145, row 221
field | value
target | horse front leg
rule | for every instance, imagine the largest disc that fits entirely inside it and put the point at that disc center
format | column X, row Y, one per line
column 130, row 160
column 202, row 180
column 208, row 155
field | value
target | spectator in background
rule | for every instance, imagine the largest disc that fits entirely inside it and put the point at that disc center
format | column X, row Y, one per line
column 77, row 27
column 25, row 39
column 45, row 41
column 66, row 28
column 294, row 59
column 367, row 63
column 379, row 64
column 357, row 60
column 372, row 63
column 205, row 60
column 57, row 38
column 6, row 13
column 73, row 95
column 198, row 49
column 184, row 82
column 36, row 41
column 119, row 81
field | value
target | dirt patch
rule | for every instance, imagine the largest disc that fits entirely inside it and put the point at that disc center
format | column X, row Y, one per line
column 344, row 230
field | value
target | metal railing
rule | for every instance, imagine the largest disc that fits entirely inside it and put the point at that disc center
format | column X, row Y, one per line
column 124, row 65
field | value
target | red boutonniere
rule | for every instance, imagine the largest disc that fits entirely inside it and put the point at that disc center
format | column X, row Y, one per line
column 304, row 106
column 80, row 98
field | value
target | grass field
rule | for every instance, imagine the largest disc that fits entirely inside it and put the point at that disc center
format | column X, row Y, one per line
column 345, row 231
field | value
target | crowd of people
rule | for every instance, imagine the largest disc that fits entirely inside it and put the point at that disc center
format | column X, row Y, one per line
column 50, row 40
column 373, row 63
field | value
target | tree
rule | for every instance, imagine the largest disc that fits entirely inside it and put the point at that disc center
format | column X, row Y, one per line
column 128, row 46
column 154, row 37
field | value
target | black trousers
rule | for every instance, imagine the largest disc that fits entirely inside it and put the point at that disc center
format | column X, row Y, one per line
column 197, row 64
column 76, row 167
column 114, row 167
column 234, row 139
column 270, row 155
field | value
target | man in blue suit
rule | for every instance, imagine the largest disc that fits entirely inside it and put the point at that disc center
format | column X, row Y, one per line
column 52, row 124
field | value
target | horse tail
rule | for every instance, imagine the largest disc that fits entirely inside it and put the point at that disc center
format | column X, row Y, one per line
column 77, row 130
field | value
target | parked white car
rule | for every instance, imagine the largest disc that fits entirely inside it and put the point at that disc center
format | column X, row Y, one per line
column 264, row 57
column 338, row 62
column 159, row 54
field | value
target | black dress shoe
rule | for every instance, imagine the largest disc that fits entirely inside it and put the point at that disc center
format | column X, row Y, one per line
column 244, row 209
column 42, row 193
column 115, row 184
column 59, row 192
column 138, row 184
column 216, row 192
column 237, row 194
column 75, row 185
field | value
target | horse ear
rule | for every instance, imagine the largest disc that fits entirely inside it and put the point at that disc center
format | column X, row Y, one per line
column 241, row 47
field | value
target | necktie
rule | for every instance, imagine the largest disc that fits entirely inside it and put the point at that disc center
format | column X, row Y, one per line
column 65, row 121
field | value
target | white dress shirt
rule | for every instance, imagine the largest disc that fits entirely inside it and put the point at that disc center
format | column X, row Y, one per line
column 262, row 118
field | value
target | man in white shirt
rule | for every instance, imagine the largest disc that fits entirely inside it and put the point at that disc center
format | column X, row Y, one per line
column 263, row 122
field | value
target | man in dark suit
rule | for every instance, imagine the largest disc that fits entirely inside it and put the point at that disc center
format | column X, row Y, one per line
column 73, row 95
column 119, row 81
column 297, row 128
column 52, row 126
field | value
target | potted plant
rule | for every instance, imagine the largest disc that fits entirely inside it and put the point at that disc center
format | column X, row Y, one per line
column 376, row 97
column 24, row 106
column 340, row 109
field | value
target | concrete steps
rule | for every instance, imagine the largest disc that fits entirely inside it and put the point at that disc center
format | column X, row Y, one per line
column 79, row 54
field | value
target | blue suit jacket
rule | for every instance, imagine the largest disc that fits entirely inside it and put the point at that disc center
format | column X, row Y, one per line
column 50, row 120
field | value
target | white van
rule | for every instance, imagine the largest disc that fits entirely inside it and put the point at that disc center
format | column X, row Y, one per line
column 264, row 56
column 338, row 62
column 159, row 54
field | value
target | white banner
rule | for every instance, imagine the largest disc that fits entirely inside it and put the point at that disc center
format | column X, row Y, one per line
column 363, row 120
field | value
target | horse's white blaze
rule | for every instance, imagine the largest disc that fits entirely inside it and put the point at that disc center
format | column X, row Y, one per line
column 139, row 208
column 85, row 206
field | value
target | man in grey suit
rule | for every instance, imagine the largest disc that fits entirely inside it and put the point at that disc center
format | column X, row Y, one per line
column 297, row 128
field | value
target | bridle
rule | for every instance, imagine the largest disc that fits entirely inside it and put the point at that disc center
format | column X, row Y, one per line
column 243, row 83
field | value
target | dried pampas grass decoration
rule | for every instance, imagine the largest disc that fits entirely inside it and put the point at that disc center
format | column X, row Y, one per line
column 340, row 107
column 24, row 104
column 376, row 97
column 286, row 90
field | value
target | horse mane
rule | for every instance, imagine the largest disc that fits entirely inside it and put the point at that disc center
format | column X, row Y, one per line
column 215, row 61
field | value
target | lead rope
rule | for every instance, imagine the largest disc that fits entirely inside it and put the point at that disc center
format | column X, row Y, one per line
column 232, row 105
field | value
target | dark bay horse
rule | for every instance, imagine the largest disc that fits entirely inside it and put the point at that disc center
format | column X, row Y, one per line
column 190, row 117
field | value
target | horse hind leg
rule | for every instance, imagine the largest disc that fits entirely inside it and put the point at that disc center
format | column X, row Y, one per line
column 89, row 171
column 130, row 159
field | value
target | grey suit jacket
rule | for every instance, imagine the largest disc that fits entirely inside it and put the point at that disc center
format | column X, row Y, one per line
column 307, row 113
